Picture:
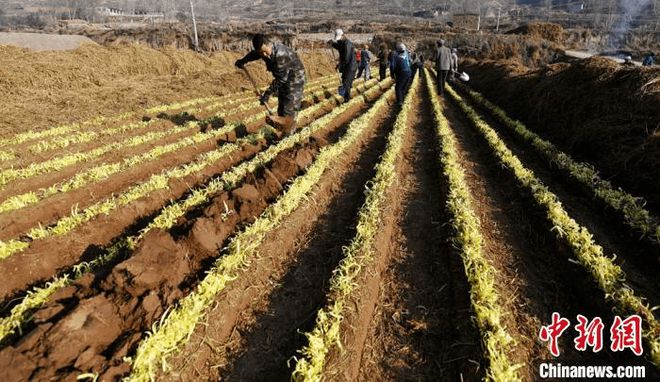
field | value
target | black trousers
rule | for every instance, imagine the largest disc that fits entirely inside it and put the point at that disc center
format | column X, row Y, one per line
column 401, row 86
column 442, row 79
column 382, row 69
column 347, row 77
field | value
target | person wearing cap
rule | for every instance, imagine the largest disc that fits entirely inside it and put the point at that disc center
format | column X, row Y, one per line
column 442, row 64
column 401, row 71
column 347, row 62
column 454, row 63
column 289, row 81
column 627, row 61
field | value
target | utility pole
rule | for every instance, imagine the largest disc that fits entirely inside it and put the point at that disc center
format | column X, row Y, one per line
column 499, row 11
column 195, row 39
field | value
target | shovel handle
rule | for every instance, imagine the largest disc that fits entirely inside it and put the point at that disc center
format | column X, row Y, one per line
column 256, row 89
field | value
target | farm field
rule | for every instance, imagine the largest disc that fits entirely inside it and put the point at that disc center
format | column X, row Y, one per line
column 188, row 241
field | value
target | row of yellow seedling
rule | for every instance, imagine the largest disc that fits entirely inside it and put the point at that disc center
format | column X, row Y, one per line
column 138, row 191
column 87, row 136
column 170, row 214
column 311, row 87
column 632, row 208
column 58, row 163
column 62, row 129
column 176, row 327
column 75, row 136
column 357, row 256
column 73, row 127
column 104, row 171
column 97, row 121
column 468, row 240
column 609, row 276
column 225, row 100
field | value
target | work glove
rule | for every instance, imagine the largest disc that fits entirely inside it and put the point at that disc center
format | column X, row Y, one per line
column 264, row 98
column 240, row 64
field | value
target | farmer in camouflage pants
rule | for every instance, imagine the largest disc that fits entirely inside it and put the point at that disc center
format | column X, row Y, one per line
column 289, row 81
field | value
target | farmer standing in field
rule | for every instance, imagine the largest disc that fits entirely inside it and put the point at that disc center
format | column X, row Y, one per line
column 442, row 64
column 289, row 81
column 347, row 62
column 363, row 67
column 401, row 71
column 649, row 59
column 454, row 63
column 414, row 65
column 383, row 61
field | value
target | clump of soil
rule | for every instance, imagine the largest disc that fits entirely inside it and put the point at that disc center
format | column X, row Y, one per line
column 178, row 118
column 595, row 109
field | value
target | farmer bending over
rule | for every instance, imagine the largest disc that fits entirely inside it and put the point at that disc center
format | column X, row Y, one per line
column 289, row 81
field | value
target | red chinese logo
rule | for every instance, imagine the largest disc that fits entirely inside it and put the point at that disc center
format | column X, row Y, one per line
column 552, row 332
column 589, row 334
column 624, row 334
column 627, row 334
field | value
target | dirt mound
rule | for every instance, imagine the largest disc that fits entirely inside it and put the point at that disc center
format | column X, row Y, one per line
column 523, row 49
column 94, row 65
column 637, row 42
column 548, row 31
column 595, row 109
column 212, row 38
column 520, row 49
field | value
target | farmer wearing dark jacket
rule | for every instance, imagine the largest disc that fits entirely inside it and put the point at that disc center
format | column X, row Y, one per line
column 289, row 81
column 383, row 61
column 442, row 64
column 347, row 62
column 401, row 71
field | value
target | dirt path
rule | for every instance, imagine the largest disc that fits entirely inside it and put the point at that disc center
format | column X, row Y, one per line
column 256, row 326
column 421, row 329
column 535, row 277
